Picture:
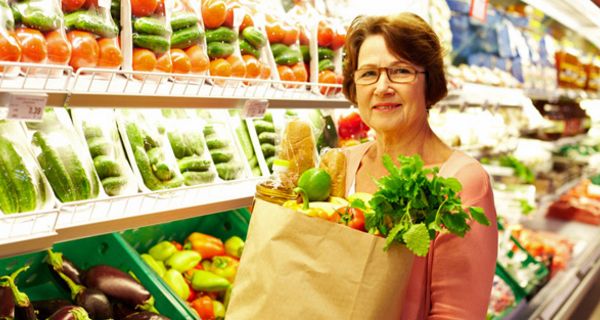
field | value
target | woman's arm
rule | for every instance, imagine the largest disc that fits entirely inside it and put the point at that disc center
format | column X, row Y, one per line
column 462, row 269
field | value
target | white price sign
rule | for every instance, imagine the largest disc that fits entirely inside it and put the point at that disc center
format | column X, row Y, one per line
column 27, row 106
column 254, row 108
column 478, row 9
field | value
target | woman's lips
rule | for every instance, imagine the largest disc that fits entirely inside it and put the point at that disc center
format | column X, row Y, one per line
column 386, row 106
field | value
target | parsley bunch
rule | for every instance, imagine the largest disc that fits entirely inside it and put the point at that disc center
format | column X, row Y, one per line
column 412, row 203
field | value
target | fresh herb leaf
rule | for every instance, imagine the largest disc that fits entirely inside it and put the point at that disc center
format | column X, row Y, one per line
column 417, row 239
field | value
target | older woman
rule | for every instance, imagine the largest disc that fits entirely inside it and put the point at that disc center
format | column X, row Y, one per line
column 394, row 73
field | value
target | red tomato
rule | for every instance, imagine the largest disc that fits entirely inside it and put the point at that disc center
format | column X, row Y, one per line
column 303, row 37
column 247, row 22
column 327, row 77
column 352, row 126
column 275, row 32
column 160, row 8
column 352, row 217
column 338, row 41
column 72, row 5
column 142, row 8
column 90, row 3
column 324, row 35
column 178, row 245
column 85, row 49
column 204, row 307
column 229, row 16
column 110, row 53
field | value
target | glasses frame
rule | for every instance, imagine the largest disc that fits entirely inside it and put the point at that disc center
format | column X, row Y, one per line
column 387, row 75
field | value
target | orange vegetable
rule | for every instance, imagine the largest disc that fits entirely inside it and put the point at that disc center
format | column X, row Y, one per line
column 286, row 74
column 33, row 45
column 327, row 77
column 229, row 15
column 247, row 22
column 142, row 8
column 265, row 71
column 9, row 49
column 90, row 3
column 300, row 72
column 275, row 32
column 85, row 49
column 204, row 308
column 143, row 60
column 338, row 40
column 59, row 49
column 252, row 66
column 207, row 245
column 291, row 35
column 324, row 34
column 163, row 63
column 110, row 53
column 214, row 13
column 198, row 59
column 238, row 67
column 72, row 5
column 220, row 67
column 303, row 37
column 181, row 62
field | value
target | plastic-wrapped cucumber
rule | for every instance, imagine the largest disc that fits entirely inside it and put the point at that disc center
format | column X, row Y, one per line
column 268, row 150
column 263, row 126
column 220, row 156
column 216, row 143
column 114, row 185
column 229, row 171
column 100, row 146
column 208, row 131
column 267, row 137
column 90, row 132
column 193, row 178
column 193, row 163
column 143, row 163
column 156, row 155
column 17, row 187
column 107, row 167
column 163, row 171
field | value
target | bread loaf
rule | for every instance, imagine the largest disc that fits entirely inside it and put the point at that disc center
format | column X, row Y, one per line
column 334, row 162
column 298, row 147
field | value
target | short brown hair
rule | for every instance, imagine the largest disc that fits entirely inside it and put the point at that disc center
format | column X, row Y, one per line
column 410, row 38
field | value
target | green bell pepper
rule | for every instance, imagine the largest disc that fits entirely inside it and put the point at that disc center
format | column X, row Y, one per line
column 183, row 260
column 157, row 266
column 162, row 250
column 314, row 185
column 175, row 281
column 234, row 246
column 209, row 282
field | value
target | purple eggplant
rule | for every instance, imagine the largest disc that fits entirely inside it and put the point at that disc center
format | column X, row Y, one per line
column 23, row 307
column 7, row 301
column 120, row 286
column 145, row 315
column 60, row 263
column 121, row 310
column 46, row 308
column 70, row 313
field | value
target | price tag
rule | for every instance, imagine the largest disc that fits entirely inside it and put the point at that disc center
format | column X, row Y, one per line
column 478, row 9
column 26, row 106
column 254, row 108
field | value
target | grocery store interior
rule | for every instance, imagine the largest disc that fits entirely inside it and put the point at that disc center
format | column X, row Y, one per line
column 136, row 136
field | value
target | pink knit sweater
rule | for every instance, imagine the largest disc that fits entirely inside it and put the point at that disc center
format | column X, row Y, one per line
column 454, row 280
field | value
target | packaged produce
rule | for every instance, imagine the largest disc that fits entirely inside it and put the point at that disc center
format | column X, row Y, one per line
column 23, row 186
column 99, row 129
column 328, row 38
column 11, row 49
column 246, row 139
column 324, row 128
column 40, row 33
column 147, row 145
column 93, row 34
column 63, row 157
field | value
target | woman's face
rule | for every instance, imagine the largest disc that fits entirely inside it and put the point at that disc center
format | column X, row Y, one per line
column 385, row 106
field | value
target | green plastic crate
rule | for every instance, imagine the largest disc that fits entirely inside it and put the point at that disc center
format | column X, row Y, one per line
column 516, row 290
column 221, row 225
column 39, row 282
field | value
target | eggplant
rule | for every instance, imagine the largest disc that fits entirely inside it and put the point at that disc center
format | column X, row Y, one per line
column 121, row 310
column 46, row 308
column 70, row 313
column 23, row 307
column 120, row 286
column 7, row 302
column 145, row 315
column 59, row 263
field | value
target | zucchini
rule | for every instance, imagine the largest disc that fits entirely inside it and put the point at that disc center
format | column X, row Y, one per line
column 183, row 20
column 157, row 44
column 194, row 178
column 246, row 48
column 193, row 163
column 220, row 34
column 219, row 50
column 326, row 64
column 325, row 53
column 187, row 37
column 90, row 21
column 113, row 186
column 289, row 58
column 148, row 25
column 254, row 37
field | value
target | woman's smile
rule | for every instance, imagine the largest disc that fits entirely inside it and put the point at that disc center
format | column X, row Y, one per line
column 386, row 106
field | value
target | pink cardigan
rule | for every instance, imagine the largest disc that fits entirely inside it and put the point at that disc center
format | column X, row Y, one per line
column 454, row 280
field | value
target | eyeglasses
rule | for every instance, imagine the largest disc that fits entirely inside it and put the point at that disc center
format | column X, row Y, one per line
column 400, row 74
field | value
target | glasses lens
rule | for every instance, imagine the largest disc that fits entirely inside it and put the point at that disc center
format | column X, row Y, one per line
column 401, row 74
column 366, row 76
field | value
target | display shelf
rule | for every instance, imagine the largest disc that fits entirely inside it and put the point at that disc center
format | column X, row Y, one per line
column 560, row 94
column 92, row 217
column 479, row 94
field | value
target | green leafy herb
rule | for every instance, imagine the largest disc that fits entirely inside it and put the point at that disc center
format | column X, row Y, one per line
column 412, row 203
column 521, row 171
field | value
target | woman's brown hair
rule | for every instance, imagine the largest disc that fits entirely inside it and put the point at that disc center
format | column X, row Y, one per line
column 410, row 38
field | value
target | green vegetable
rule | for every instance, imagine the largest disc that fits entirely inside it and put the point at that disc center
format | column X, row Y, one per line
column 35, row 15
column 156, row 156
column 246, row 48
column 215, row 143
column 186, row 144
column 149, row 25
column 208, row 130
column 107, row 167
column 254, row 37
column 325, row 53
column 234, row 246
column 163, row 171
column 220, row 34
column 220, row 156
column 267, row 137
column 115, row 11
column 278, row 49
column 17, row 188
column 270, row 163
column 91, row 131
column 114, row 185
column 192, row 178
column 175, row 182
column 157, row 266
column 209, row 282
column 218, row 309
column 268, row 117
column 314, row 185
column 143, row 163
column 228, row 171
column 177, row 283
column 183, row 20
column 412, row 203
column 244, row 139
column 268, row 150
column 183, row 260
column 521, row 171
column 162, row 250
column 16, row 15
column 219, row 50
column 223, row 266
column 304, row 49
column 193, row 163
column 90, row 21
column 157, row 44
column 263, row 126
column 184, row 38
column 289, row 58
column 100, row 146
column 326, row 64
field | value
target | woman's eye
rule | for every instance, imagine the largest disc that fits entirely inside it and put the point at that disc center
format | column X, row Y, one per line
column 368, row 74
column 401, row 71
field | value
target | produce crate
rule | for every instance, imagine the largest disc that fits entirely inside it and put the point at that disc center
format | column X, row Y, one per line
column 221, row 225
column 38, row 282
column 516, row 290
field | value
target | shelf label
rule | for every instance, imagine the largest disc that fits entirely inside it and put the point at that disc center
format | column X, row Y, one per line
column 254, row 108
column 27, row 106
column 478, row 9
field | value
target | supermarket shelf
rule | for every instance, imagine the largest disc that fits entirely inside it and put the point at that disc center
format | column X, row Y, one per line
column 561, row 94
column 479, row 94
column 87, row 218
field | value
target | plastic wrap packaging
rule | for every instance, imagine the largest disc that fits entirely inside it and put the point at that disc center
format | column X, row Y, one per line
column 189, row 147
column 188, row 42
column 40, row 33
column 268, row 135
column 11, row 50
column 148, row 149
column 99, row 129
column 63, row 157
column 298, row 147
column 146, row 36
column 23, row 186
column 327, row 42
column 249, row 142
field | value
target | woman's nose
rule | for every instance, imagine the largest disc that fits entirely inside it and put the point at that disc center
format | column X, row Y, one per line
column 382, row 86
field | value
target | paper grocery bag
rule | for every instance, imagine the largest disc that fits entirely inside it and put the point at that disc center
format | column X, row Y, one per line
column 299, row 267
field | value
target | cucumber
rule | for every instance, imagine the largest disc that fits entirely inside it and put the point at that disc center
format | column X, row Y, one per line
column 267, row 137
column 268, row 117
column 253, row 162
column 156, row 155
column 228, row 171
column 145, row 168
column 115, row 11
column 193, row 163
column 325, row 53
column 254, row 37
column 194, row 178
column 268, row 150
column 8, row 192
column 55, row 170
column 6, row 17
column 100, row 147
column 113, row 186
column 148, row 25
column 157, row 44
column 195, row 142
column 244, row 138
column 90, row 21
column 35, row 16
column 179, row 145
column 279, row 49
column 246, row 48
column 304, row 49
column 163, row 171
column 16, row 14
column 208, row 130
column 263, row 126
column 107, row 167
column 289, row 58
column 270, row 163
column 187, row 37
column 84, row 188
column 18, row 192
column 326, row 64
column 177, row 181
column 220, row 156
column 215, row 143
column 219, row 50
column 220, row 34
column 256, row 172
column 134, row 135
column 91, row 131
column 183, row 20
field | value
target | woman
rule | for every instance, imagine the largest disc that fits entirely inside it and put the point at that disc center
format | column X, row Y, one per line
column 394, row 73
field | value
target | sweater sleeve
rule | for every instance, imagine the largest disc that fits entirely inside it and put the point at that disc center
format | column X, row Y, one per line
column 462, row 269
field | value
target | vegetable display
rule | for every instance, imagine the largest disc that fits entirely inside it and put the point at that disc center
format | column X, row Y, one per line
column 222, row 150
column 11, row 50
column 243, row 136
column 151, row 36
column 283, row 38
column 188, row 45
column 326, row 67
column 268, row 139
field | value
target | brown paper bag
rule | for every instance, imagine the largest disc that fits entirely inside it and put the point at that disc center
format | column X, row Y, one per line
column 298, row 267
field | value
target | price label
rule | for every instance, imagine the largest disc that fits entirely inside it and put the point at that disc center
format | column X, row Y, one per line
column 27, row 106
column 478, row 9
column 254, row 108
